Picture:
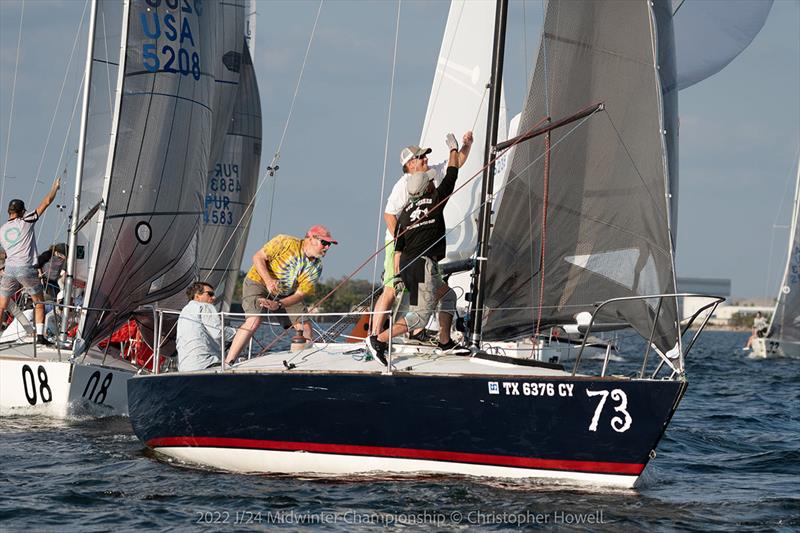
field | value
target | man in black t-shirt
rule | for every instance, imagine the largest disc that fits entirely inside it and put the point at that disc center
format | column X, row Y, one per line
column 419, row 246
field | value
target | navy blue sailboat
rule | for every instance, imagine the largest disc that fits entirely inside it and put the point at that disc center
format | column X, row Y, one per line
column 585, row 217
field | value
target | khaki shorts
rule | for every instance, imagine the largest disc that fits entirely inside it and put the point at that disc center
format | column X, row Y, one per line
column 252, row 291
column 15, row 277
column 417, row 316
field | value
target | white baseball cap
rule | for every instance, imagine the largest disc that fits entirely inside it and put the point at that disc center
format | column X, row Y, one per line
column 410, row 152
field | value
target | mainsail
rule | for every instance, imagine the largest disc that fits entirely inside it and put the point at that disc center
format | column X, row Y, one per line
column 145, row 246
column 785, row 323
column 606, row 233
column 232, row 183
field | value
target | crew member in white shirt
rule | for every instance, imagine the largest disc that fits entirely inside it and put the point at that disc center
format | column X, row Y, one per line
column 200, row 330
column 414, row 159
column 19, row 242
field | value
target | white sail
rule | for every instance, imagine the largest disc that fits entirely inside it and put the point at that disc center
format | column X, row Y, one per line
column 709, row 35
column 459, row 102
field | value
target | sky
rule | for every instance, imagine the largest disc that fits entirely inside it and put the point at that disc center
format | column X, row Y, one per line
column 739, row 137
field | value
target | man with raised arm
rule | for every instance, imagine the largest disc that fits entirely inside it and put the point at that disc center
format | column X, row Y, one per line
column 419, row 246
column 19, row 242
column 284, row 272
column 414, row 159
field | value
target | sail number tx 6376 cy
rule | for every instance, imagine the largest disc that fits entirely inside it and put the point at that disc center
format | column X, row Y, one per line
column 513, row 388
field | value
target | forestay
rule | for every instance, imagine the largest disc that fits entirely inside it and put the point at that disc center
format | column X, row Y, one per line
column 607, row 230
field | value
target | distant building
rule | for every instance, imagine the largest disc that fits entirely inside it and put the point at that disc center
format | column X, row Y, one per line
column 709, row 286
column 717, row 287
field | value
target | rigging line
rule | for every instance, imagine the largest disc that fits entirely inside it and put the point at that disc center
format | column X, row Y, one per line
column 633, row 163
column 386, row 148
column 479, row 172
column 36, row 180
column 66, row 138
column 246, row 215
column 13, row 95
column 478, row 113
column 277, row 155
column 543, row 240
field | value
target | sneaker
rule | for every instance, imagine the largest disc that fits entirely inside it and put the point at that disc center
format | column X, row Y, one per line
column 452, row 348
column 422, row 337
column 377, row 349
column 44, row 341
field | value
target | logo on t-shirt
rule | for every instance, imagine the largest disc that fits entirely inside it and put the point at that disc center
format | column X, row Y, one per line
column 12, row 236
column 417, row 214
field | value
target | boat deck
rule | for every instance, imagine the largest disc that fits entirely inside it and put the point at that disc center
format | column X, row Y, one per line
column 419, row 359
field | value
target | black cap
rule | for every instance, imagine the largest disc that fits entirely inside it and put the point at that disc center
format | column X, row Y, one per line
column 16, row 207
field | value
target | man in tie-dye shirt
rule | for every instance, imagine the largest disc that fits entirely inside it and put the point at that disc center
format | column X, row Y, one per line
column 284, row 272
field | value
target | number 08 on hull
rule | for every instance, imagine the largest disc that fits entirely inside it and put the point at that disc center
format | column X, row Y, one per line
column 61, row 388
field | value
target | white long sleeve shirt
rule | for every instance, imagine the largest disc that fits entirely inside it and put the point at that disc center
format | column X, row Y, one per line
column 198, row 336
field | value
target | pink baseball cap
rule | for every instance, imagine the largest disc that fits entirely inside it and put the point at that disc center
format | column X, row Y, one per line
column 321, row 231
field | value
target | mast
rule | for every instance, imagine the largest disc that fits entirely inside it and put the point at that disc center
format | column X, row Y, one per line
column 76, row 201
column 485, row 218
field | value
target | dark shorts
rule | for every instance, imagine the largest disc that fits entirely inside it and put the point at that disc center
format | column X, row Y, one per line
column 15, row 277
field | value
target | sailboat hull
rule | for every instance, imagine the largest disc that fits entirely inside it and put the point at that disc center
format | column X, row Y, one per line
column 766, row 347
column 45, row 385
column 596, row 430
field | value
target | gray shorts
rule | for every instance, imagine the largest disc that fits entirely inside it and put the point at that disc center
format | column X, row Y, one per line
column 432, row 292
column 15, row 277
column 252, row 291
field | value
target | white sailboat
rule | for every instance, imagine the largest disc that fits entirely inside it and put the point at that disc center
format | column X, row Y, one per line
column 144, row 152
column 783, row 336
column 329, row 410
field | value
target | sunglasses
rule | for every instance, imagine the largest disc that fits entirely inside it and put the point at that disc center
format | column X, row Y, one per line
column 210, row 293
column 323, row 242
column 423, row 156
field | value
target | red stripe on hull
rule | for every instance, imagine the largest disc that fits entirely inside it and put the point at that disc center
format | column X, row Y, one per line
column 404, row 453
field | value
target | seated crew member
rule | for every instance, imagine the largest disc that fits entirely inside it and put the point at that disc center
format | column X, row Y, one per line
column 199, row 330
